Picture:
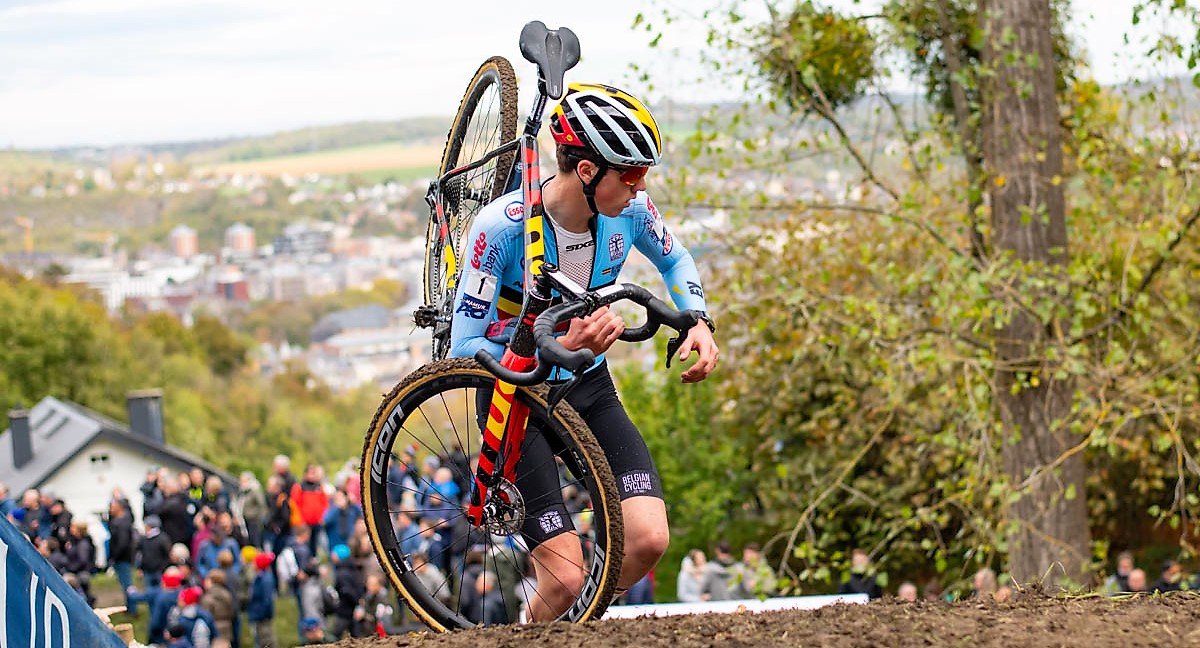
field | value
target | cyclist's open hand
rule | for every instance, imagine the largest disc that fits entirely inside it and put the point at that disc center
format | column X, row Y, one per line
column 700, row 340
column 596, row 332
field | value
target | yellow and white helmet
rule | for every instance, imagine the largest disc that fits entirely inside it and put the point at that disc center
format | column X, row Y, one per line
column 609, row 122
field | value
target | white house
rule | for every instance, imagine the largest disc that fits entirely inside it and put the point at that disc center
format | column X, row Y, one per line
column 82, row 455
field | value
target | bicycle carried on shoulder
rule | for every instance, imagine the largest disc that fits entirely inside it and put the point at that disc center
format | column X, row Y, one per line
column 484, row 408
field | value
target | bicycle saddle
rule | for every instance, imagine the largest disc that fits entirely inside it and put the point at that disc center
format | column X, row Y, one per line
column 554, row 51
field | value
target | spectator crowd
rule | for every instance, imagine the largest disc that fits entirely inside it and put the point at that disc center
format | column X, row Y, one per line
column 204, row 560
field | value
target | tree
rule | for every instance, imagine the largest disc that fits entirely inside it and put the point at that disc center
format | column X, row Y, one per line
column 1023, row 154
column 896, row 306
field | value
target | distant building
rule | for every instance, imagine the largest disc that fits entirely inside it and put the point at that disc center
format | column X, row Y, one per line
column 370, row 317
column 183, row 241
column 304, row 239
column 363, row 356
column 239, row 238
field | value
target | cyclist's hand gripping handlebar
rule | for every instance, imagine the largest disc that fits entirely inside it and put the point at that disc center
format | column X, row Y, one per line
column 553, row 354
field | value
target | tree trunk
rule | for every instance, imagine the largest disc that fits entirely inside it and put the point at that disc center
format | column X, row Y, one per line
column 1048, row 535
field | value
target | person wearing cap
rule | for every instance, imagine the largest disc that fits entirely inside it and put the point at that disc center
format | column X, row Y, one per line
column 597, row 211
column 198, row 623
column 348, row 582
column 312, row 631
column 164, row 599
column 260, row 610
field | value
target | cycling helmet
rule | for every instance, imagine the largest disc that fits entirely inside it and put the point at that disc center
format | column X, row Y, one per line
column 609, row 122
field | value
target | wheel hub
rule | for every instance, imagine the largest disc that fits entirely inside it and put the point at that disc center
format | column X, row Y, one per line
column 504, row 510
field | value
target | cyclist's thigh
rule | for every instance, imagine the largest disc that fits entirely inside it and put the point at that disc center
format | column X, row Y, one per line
column 537, row 481
column 595, row 399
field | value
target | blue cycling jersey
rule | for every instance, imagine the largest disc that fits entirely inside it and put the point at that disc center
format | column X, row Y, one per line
column 491, row 284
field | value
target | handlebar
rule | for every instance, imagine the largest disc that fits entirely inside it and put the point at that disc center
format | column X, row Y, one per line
column 552, row 354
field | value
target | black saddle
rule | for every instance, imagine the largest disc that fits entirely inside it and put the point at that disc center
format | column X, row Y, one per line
column 554, row 51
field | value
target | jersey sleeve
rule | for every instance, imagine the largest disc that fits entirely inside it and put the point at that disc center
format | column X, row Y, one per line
column 489, row 253
column 676, row 265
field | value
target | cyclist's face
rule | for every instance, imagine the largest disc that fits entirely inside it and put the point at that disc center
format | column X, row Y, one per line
column 614, row 192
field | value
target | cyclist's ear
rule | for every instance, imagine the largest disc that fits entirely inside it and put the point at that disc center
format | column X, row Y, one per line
column 586, row 170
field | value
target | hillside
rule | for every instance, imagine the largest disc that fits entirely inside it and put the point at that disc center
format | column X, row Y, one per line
column 423, row 130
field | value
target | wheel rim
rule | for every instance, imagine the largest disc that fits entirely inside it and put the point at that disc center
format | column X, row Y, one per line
column 486, row 119
column 433, row 416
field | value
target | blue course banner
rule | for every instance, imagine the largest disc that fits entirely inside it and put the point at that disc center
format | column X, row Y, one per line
column 40, row 609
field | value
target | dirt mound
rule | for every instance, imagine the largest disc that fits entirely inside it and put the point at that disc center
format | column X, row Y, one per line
column 1168, row 620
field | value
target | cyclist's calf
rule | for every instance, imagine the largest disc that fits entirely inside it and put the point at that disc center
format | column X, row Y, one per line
column 560, row 576
column 646, row 537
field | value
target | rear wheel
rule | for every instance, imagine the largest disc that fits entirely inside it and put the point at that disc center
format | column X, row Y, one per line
column 429, row 414
column 486, row 119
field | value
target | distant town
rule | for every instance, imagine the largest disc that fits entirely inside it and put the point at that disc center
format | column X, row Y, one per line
column 371, row 344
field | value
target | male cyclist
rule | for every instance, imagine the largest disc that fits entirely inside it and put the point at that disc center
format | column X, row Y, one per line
column 597, row 212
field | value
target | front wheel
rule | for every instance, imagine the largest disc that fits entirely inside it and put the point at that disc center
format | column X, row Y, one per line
column 415, row 475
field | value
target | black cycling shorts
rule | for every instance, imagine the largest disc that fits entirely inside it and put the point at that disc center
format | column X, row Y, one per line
column 594, row 397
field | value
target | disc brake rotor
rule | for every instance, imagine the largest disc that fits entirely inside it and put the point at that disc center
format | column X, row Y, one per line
column 504, row 511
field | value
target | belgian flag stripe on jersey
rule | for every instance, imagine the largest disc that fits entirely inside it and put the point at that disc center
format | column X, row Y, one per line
column 509, row 303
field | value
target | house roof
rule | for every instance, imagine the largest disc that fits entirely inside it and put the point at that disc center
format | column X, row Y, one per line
column 371, row 316
column 61, row 429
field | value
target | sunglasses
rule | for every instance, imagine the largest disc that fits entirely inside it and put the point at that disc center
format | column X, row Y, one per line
column 631, row 176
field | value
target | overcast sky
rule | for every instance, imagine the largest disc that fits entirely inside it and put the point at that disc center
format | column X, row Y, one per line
column 100, row 72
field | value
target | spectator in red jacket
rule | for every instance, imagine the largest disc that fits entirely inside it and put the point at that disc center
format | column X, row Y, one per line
column 308, row 496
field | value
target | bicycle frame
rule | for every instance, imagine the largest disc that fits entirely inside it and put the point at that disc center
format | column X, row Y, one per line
column 504, row 430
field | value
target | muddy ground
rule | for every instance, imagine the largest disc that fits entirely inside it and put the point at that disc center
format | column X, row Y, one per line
column 1030, row 620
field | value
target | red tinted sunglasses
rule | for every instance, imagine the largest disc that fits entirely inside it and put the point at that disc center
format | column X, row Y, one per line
column 631, row 176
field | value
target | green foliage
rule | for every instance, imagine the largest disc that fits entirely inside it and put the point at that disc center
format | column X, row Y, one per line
column 861, row 316
column 60, row 343
column 704, row 473
column 930, row 34
column 818, row 59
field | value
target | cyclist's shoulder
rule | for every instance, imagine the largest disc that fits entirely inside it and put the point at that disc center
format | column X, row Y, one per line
column 643, row 215
column 502, row 214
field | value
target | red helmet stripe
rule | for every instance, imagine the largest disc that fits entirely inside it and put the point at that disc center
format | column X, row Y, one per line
column 564, row 134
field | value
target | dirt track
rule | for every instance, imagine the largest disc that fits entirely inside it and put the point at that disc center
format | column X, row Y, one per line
column 1170, row 620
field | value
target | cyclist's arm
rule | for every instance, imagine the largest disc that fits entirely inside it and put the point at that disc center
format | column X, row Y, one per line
column 485, row 261
column 678, row 269
column 657, row 243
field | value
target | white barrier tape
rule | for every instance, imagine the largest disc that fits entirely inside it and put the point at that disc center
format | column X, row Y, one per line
column 729, row 607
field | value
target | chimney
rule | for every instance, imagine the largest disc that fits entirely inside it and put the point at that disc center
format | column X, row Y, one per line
column 145, row 414
column 22, row 440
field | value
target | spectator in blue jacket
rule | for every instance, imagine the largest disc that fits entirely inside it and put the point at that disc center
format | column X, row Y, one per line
column 199, row 626
column 340, row 518
column 260, row 610
column 164, row 599
column 206, row 558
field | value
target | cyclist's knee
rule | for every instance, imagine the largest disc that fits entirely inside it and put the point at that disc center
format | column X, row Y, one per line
column 648, row 546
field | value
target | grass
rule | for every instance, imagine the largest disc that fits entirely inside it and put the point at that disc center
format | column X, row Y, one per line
column 388, row 157
column 108, row 593
column 401, row 175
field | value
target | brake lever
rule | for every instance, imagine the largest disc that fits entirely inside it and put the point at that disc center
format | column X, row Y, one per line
column 559, row 392
column 673, row 346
